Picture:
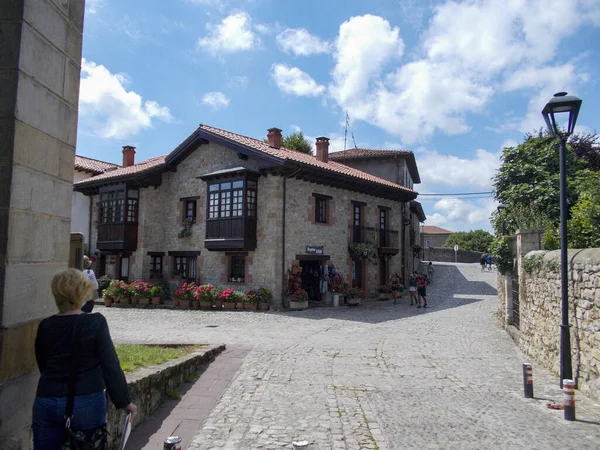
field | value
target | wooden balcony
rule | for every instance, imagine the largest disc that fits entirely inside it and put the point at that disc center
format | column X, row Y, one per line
column 363, row 235
column 231, row 234
column 388, row 242
column 117, row 236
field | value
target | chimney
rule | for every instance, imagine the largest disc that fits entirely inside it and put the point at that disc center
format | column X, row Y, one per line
column 274, row 137
column 128, row 155
column 323, row 149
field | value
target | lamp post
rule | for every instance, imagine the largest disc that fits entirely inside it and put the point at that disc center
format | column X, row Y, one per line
column 501, row 208
column 562, row 103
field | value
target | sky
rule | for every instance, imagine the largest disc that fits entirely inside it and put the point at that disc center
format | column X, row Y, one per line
column 453, row 81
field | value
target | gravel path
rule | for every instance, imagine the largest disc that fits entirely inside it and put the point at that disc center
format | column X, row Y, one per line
column 377, row 376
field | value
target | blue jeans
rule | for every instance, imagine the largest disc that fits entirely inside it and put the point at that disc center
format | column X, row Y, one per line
column 89, row 412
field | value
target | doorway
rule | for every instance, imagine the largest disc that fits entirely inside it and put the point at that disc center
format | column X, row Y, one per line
column 310, row 277
column 357, row 273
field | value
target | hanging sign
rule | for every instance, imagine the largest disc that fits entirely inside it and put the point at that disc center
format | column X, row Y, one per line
column 314, row 250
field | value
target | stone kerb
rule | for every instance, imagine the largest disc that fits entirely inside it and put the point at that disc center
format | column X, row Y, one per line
column 540, row 313
column 149, row 388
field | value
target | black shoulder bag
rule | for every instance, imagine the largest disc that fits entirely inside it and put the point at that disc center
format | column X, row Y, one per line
column 76, row 440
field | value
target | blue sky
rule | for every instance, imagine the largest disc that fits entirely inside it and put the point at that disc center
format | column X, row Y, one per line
column 453, row 81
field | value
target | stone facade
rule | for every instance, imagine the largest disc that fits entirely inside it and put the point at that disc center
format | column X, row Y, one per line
column 160, row 221
column 39, row 74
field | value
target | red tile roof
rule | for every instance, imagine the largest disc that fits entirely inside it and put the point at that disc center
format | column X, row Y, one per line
column 356, row 153
column 94, row 166
column 432, row 229
column 300, row 157
column 141, row 167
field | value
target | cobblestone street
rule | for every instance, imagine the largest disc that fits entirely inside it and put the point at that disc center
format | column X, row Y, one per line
column 377, row 376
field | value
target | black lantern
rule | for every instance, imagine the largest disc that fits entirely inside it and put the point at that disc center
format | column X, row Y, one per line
column 561, row 103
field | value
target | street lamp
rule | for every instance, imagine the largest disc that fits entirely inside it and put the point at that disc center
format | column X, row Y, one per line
column 562, row 103
column 501, row 208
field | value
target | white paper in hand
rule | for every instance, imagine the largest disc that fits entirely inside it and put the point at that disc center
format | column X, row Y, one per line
column 126, row 432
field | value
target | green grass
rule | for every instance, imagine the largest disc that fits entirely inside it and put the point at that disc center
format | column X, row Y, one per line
column 136, row 356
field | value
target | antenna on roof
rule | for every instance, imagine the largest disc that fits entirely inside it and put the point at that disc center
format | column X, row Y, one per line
column 353, row 140
column 346, row 128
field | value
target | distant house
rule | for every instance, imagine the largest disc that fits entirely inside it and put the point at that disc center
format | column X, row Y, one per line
column 81, row 205
column 432, row 236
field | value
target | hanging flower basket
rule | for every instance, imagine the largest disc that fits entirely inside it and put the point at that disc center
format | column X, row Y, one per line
column 363, row 250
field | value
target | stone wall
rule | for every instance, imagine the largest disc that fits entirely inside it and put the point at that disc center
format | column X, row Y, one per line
column 540, row 312
column 447, row 255
column 149, row 388
column 40, row 57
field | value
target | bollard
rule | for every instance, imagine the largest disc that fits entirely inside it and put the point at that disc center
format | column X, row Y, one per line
column 172, row 443
column 527, row 380
column 569, row 391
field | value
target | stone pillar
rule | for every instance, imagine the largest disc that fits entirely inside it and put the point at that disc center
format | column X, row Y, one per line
column 40, row 65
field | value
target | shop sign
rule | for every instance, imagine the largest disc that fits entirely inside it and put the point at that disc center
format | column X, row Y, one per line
column 314, row 250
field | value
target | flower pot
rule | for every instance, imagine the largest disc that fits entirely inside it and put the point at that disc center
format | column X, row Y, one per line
column 383, row 296
column 239, row 305
column 218, row 304
column 185, row 304
column 134, row 300
column 144, row 301
column 336, row 299
column 352, row 301
column 156, row 300
column 108, row 302
column 264, row 306
column 228, row 305
column 176, row 302
column 298, row 305
column 250, row 306
column 205, row 304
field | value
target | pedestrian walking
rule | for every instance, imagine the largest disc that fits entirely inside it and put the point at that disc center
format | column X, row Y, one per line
column 430, row 271
column 422, row 291
column 483, row 261
column 489, row 261
column 412, row 288
column 77, row 362
column 395, row 281
column 88, row 304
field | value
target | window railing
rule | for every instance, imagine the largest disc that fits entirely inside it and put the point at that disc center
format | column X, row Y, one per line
column 363, row 234
column 388, row 239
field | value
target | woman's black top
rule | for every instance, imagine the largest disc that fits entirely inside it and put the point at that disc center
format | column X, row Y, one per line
column 98, row 365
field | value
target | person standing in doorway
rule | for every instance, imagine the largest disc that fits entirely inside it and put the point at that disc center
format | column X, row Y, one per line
column 88, row 305
column 422, row 291
column 430, row 271
column 412, row 288
column 395, row 282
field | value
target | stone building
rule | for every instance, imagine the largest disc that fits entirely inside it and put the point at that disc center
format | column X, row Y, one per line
column 81, row 205
column 432, row 236
column 227, row 209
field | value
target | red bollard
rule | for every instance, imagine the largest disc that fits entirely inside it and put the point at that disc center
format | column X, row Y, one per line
column 569, row 392
column 527, row 380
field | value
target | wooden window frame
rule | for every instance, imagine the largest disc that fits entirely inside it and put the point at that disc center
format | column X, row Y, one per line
column 235, row 262
column 322, row 203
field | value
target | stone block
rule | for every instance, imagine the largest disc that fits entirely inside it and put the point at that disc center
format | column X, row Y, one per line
column 76, row 13
column 41, row 60
column 46, row 18
column 16, row 398
column 35, row 237
column 17, row 345
column 74, row 45
column 57, row 158
column 70, row 91
column 55, row 118
column 28, row 296
column 41, row 193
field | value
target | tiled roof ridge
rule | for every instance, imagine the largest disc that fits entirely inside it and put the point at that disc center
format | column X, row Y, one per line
column 137, row 168
column 364, row 152
column 435, row 229
column 86, row 163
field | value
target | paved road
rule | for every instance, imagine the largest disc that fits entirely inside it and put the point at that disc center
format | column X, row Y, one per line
column 377, row 376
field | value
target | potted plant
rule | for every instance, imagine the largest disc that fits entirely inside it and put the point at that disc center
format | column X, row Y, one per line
column 186, row 294
column 205, row 295
column 119, row 291
column 385, row 290
column 218, row 302
column 252, row 299
column 108, row 296
column 103, row 283
column 156, row 292
column 226, row 297
column 264, row 302
column 238, row 298
column 141, row 292
column 299, row 299
column 353, row 296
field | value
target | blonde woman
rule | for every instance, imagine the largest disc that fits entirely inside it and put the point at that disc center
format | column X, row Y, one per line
column 96, row 367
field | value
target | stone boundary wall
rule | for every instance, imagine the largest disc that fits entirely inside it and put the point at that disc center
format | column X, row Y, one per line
column 148, row 388
column 540, row 313
column 440, row 254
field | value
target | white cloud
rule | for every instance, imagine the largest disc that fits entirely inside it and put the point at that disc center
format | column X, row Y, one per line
column 109, row 109
column 92, row 6
column 296, row 129
column 238, row 81
column 468, row 48
column 460, row 215
column 292, row 80
column 233, row 34
column 216, row 100
column 300, row 42
column 449, row 170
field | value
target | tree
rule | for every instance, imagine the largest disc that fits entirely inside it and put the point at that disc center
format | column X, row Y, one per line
column 475, row 240
column 297, row 141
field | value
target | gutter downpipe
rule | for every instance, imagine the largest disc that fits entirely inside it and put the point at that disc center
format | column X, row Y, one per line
column 280, row 306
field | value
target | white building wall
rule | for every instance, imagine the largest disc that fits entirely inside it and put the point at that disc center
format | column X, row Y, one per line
column 80, row 209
